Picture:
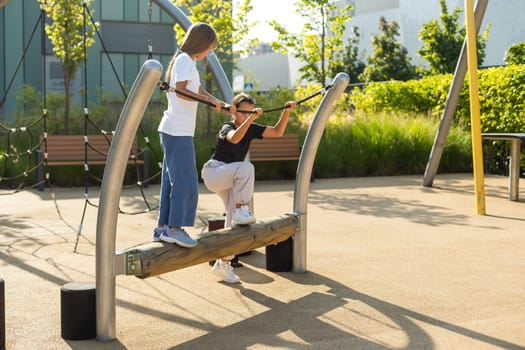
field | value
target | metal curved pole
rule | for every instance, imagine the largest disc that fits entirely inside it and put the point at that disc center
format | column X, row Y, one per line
column 305, row 166
column 125, row 132
column 127, row 126
column 218, row 72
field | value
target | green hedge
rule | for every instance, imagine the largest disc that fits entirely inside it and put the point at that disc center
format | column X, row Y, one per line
column 501, row 96
column 502, row 99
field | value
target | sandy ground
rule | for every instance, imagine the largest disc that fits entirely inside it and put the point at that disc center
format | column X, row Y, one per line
column 390, row 265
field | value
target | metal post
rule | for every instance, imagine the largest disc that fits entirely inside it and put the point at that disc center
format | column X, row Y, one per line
column 305, row 166
column 452, row 102
column 130, row 117
column 127, row 126
column 2, row 315
column 514, row 169
column 477, row 148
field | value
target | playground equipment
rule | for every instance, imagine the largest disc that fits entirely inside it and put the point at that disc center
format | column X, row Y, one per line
column 132, row 112
column 152, row 258
column 232, row 240
column 451, row 103
column 148, row 260
column 450, row 108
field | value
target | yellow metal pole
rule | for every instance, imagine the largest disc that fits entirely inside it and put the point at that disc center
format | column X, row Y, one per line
column 477, row 150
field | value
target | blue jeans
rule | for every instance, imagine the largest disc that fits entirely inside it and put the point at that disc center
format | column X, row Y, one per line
column 179, row 189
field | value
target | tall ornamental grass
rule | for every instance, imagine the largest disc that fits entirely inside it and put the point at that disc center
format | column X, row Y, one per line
column 387, row 144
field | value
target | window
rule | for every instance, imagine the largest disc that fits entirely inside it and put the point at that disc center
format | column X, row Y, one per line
column 133, row 37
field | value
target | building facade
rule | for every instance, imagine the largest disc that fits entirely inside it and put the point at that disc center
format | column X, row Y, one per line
column 120, row 49
column 504, row 17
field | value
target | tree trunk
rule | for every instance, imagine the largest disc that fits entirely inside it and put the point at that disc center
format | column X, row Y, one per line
column 67, row 81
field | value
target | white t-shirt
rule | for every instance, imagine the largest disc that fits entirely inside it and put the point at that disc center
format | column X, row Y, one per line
column 180, row 117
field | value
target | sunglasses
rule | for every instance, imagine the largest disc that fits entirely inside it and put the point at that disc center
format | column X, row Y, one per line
column 245, row 113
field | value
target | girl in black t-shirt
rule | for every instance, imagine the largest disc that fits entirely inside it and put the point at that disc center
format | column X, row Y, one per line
column 229, row 175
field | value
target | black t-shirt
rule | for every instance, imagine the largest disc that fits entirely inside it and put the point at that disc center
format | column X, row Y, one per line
column 228, row 152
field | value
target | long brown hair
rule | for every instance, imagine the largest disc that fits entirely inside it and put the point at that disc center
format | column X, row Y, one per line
column 199, row 37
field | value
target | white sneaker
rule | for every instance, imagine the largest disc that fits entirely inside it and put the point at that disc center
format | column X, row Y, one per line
column 225, row 271
column 243, row 216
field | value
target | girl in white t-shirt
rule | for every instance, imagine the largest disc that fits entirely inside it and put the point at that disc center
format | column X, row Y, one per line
column 179, row 183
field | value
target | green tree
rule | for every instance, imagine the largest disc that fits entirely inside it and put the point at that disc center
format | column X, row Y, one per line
column 219, row 14
column 69, row 37
column 515, row 54
column 442, row 41
column 230, row 31
column 319, row 45
column 349, row 61
column 390, row 60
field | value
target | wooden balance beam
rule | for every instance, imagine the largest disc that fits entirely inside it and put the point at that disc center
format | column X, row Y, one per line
column 155, row 258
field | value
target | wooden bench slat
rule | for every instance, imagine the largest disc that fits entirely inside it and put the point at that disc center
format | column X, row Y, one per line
column 71, row 150
column 65, row 150
column 262, row 159
column 503, row 136
column 286, row 147
column 74, row 162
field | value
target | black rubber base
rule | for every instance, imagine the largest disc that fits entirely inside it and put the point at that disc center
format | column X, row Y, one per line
column 279, row 257
column 77, row 310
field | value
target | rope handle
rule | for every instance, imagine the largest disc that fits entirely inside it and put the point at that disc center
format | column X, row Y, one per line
column 164, row 86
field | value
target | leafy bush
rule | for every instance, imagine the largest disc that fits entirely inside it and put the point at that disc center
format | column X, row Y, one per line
column 501, row 95
column 502, row 99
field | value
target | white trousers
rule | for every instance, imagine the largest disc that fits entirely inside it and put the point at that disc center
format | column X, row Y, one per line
column 233, row 182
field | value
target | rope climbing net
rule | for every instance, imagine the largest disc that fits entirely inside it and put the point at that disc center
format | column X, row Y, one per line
column 25, row 157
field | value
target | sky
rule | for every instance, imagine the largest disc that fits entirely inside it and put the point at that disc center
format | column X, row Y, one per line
column 266, row 10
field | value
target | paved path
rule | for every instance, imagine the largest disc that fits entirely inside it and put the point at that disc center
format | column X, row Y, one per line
column 391, row 265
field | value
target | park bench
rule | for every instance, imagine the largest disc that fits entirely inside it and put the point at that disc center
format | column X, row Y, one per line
column 286, row 147
column 70, row 150
column 516, row 140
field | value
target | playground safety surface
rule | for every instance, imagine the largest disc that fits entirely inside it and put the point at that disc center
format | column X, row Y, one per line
column 391, row 265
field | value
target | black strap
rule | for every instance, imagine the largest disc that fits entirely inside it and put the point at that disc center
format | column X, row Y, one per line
column 164, row 86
